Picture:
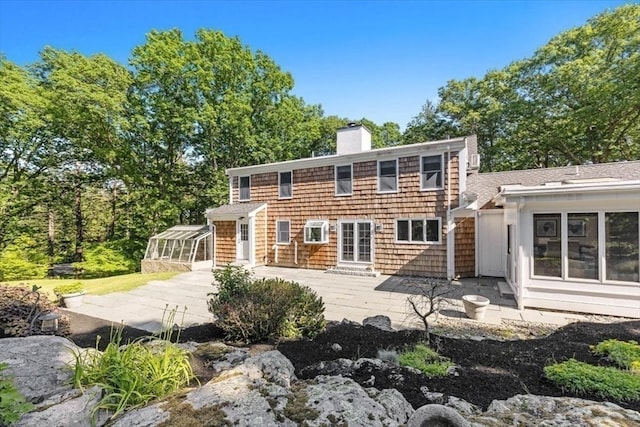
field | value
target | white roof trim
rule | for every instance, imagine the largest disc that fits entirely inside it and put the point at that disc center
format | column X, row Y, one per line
column 510, row 191
column 424, row 148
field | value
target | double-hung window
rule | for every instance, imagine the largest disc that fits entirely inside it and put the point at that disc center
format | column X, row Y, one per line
column 431, row 172
column 283, row 232
column 285, row 185
column 344, row 186
column 418, row 230
column 388, row 176
column 244, row 188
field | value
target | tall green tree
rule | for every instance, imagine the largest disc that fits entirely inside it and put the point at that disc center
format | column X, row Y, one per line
column 575, row 101
column 430, row 125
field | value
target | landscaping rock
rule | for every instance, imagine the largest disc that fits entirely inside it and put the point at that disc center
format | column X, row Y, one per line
column 554, row 412
column 379, row 321
column 263, row 391
column 341, row 401
column 38, row 365
column 436, row 416
column 77, row 411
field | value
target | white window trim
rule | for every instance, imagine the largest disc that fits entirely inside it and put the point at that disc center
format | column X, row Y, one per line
column 397, row 176
column 335, row 180
column 441, row 173
column 602, row 263
column 279, row 183
column 422, row 242
column 239, row 188
column 278, row 233
column 324, row 232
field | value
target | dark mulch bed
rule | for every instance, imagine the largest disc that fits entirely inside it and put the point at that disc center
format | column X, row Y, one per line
column 488, row 369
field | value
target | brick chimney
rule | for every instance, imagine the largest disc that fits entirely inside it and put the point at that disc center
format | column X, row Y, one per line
column 354, row 138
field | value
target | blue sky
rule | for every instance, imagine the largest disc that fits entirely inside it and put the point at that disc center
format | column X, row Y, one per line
column 376, row 59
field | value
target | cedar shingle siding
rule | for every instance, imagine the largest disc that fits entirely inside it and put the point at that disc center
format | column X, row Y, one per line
column 314, row 198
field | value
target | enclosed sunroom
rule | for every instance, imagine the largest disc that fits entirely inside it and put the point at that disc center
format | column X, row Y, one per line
column 180, row 248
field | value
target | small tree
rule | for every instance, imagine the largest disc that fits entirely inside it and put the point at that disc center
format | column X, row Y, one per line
column 427, row 296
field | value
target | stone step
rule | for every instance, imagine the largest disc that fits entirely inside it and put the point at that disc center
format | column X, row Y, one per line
column 505, row 290
column 353, row 271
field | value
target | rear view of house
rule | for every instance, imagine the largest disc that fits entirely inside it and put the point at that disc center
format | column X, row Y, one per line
column 363, row 211
column 562, row 238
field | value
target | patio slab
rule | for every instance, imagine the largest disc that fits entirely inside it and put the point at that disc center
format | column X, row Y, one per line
column 349, row 297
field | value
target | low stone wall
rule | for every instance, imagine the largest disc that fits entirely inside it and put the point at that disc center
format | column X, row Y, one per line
column 155, row 266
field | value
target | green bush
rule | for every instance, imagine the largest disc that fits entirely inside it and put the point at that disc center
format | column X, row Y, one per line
column 69, row 288
column 12, row 402
column 625, row 354
column 134, row 374
column 20, row 307
column 232, row 281
column 426, row 360
column 104, row 261
column 22, row 260
column 606, row 382
column 256, row 310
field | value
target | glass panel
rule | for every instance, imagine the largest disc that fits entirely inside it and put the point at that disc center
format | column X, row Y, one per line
column 347, row 241
column 245, row 188
column 431, row 172
column 547, row 252
column 402, row 230
column 433, row 230
column 387, row 176
column 582, row 245
column 364, row 242
column 283, row 231
column 285, row 184
column 186, row 251
column 417, row 230
column 343, row 180
column 622, row 246
column 244, row 232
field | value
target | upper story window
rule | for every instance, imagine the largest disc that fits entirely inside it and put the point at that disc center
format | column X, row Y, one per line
column 283, row 232
column 285, row 185
column 418, row 230
column 344, row 182
column 244, row 188
column 431, row 172
column 387, row 176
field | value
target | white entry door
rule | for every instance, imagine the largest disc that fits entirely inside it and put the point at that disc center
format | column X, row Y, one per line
column 242, row 241
column 491, row 244
column 356, row 241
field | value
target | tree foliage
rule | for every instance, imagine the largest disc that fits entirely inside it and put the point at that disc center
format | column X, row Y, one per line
column 575, row 101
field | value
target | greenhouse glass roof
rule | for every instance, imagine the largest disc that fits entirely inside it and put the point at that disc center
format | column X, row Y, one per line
column 181, row 243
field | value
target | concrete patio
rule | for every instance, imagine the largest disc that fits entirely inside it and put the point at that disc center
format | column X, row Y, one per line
column 350, row 297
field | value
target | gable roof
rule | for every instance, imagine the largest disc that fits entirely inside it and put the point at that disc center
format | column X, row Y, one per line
column 341, row 159
column 487, row 185
column 234, row 211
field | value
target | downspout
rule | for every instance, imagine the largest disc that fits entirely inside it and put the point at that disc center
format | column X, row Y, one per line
column 295, row 252
column 450, row 223
column 230, row 189
column 275, row 249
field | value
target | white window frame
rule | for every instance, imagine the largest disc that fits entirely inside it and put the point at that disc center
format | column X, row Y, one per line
column 441, row 186
column 397, row 175
column 240, row 188
column 278, row 241
column 280, row 196
column 424, row 228
column 324, row 231
column 564, row 242
column 335, row 174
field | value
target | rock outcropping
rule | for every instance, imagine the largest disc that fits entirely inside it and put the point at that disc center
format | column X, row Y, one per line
column 263, row 390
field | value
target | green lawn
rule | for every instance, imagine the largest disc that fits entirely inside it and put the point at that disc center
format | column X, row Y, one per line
column 101, row 286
